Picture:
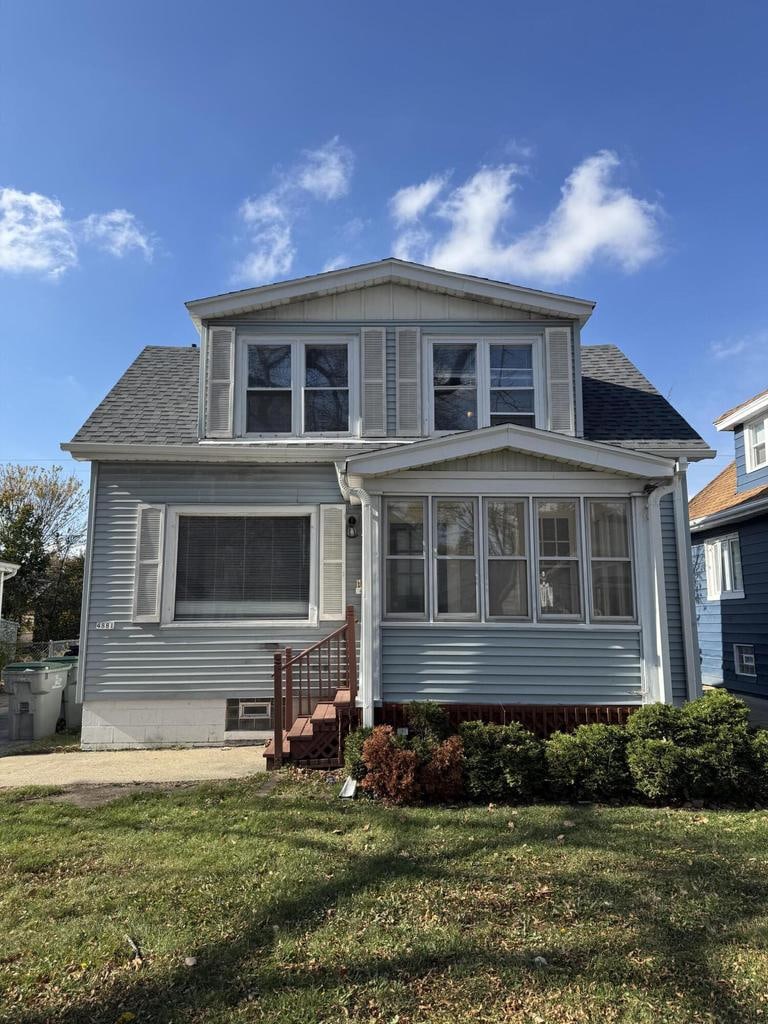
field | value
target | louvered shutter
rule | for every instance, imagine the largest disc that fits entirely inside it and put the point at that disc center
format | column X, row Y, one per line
column 408, row 362
column 374, row 371
column 332, row 561
column 560, row 380
column 220, row 381
column 149, row 563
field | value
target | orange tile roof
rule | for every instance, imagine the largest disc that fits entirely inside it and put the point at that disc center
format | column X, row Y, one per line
column 721, row 494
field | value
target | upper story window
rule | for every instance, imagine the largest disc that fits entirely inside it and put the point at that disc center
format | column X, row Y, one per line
column 723, row 565
column 755, row 438
column 484, row 382
column 297, row 387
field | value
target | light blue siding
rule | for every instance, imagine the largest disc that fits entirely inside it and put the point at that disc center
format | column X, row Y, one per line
column 141, row 660
column 498, row 665
column 676, row 642
column 746, row 481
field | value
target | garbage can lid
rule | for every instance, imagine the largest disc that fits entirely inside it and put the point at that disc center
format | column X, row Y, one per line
column 28, row 666
column 62, row 659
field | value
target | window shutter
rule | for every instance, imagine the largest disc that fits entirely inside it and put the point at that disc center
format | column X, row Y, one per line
column 374, row 369
column 332, row 561
column 220, row 383
column 560, row 379
column 408, row 360
column 149, row 563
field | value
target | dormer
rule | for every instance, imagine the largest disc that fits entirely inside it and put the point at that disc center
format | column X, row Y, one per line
column 387, row 351
column 749, row 424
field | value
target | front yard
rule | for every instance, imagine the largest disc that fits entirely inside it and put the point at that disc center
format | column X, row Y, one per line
column 295, row 907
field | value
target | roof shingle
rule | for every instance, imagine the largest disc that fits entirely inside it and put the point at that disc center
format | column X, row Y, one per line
column 720, row 494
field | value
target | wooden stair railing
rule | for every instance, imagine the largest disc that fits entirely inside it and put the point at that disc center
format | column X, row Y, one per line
column 315, row 674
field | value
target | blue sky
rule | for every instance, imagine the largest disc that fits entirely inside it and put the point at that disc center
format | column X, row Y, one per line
column 156, row 152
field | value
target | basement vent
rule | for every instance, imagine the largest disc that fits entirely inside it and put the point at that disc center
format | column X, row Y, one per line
column 249, row 715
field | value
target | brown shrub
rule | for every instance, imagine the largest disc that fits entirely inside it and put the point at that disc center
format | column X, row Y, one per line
column 392, row 770
column 442, row 777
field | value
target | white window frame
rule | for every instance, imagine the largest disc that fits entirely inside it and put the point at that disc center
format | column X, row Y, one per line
column 386, row 558
column 438, row 616
column 720, row 579
column 603, row 558
column 744, row 651
column 483, row 371
column 298, row 346
column 168, row 602
column 583, row 575
column 749, row 443
column 527, row 557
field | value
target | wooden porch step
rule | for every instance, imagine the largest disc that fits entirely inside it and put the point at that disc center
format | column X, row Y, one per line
column 325, row 712
column 343, row 698
column 301, row 728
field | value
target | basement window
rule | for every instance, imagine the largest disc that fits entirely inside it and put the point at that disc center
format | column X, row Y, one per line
column 744, row 660
column 246, row 715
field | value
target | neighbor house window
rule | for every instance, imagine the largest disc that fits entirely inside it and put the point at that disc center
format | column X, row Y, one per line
column 723, row 566
column 484, row 382
column 610, row 552
column 558, row 558
column 242, row 567
column 507, row 558
column 405, row 558
column 755, row 439
column 456, row 557
column 744, row 660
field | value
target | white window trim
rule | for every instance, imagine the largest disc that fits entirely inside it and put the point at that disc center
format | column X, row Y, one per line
column 584, row 575
column 744, row 675
column 298, row 345
column 438, row 616
column 602, row 558
column 713, row 554
column 527, row 557
column 168, row 601
column 760, row 421
column 483, row 343
column 422, row 616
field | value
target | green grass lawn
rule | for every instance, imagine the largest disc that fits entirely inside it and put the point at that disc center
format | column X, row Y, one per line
column 300, row 908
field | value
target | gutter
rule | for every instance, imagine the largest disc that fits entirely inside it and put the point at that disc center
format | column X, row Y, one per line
column 730, row 515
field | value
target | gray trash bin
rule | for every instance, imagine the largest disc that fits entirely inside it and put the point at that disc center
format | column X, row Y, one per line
column 35, row 690
column 71, row 710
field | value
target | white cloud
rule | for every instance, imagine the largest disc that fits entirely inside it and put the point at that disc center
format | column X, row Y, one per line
column 118, row 232
column 726, row 349
column 336, row 263
column 411, row 202
column 593, row 219
column 754, row 346
column 322, row 174
column 34, row 234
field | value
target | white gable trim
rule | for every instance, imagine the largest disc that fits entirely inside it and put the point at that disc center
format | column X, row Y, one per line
column 744, row 412
column 385, row 271
column 536, row 442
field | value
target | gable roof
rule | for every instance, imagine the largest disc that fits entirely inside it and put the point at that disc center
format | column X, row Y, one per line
column 390, row 271
column 720, row 496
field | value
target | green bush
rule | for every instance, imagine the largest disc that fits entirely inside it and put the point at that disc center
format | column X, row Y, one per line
column 715, row 731
column 655, row 722
column 353, row 753
column 760, row 764
column 717, row 717
column 660, row 768
column 590, row 763
column 428, row 721
column 501, row 762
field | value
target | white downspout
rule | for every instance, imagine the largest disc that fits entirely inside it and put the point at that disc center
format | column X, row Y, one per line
column 663, row 667
column 687, row 596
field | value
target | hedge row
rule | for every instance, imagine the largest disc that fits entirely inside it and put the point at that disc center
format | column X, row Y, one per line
column 704, row 750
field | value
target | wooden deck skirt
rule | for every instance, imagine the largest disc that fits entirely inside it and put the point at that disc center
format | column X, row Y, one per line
column 541, row 719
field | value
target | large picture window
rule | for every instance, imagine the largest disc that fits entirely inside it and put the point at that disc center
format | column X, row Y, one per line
column 610, row 560
column 242, row 567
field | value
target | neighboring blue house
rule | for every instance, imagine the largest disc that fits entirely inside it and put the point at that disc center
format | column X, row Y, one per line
column 729, row 527
column 503, row 508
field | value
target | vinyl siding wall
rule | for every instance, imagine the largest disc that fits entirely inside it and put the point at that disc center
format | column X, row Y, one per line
column 744, row 480
column 148, row 660
column 675, row 637
column 735, row 620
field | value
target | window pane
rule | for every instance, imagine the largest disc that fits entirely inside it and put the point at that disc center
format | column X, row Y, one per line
column 326, row 366
column 511, row 366
column 612, row 590
column 559, row 588
column 454, row 364
column 506, row 527
column 269, row 366
column 456, row 588
column 456, row 409
column 455, row 522
column 511, row 402
column 405, row 528
column 405, row 586
column 608, row 521
column 736, row 563
column 557, row 529
column 508, row 587
column 326, row 411
column 231, row 567
column 268, row 412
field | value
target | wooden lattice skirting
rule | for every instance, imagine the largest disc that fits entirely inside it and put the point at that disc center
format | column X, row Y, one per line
column 542, row 719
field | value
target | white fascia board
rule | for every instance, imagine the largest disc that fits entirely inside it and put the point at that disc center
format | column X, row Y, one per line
column 209, row 451
column 729, row 515
column 383, row 272
column 743, row 413
column 534, row 442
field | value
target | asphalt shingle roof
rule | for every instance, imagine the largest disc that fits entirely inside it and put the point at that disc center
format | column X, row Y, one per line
column 155, row 402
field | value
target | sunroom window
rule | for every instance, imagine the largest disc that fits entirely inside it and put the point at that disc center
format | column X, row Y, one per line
column 456, row 555
column 507, row 555
column 242, row 567
column 558, row 559
column 405, row 557
column 757, row 443
column 610, row 560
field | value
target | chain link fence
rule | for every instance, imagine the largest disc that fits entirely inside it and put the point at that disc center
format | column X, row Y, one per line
column 12, row 651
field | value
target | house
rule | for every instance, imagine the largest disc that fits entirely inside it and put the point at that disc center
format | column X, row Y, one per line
column 729, row 526
column 504, row 509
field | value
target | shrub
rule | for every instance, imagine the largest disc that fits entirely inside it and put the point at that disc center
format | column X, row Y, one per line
column 590, row 763
column 760, row 764
column 659, row 768
column 442, row 776
column 501, row 762
column 353, row 753
column 391, row 769
column 655, row 722
column 717, row 717
column 715, row 730
column 428, row 721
